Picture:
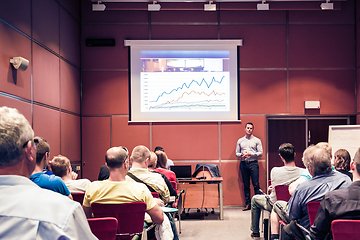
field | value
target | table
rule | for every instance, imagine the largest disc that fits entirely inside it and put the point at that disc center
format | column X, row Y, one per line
column 203, row 193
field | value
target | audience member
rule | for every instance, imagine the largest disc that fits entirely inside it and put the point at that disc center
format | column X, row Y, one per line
column 338, row 204
column 61, row 167
column 342, row 161
column 279, row 176
column 104, row 173
column 28, row 211
column 161, row 167
column 117, row 190
column 152, row 165
column 318, row 161
column 169, row 162
column 43, row 180
column 306, row 175
column 139, row 172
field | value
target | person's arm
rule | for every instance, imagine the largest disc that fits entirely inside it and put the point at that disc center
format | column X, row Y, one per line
column 156, row 214
column 87, row 211
column 77, row 227
column 294, row 208
column 70, row 196
column 259, row 149
column 238, row 149
column 294, row 185
column 322, row 223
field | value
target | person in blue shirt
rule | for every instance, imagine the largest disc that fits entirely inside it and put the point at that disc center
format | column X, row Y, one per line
column 43, row 180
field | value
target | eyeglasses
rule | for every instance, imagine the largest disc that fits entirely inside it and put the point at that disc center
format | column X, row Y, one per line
column 35, row 140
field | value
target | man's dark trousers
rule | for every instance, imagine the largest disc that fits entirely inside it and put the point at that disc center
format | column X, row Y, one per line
column 250, row 169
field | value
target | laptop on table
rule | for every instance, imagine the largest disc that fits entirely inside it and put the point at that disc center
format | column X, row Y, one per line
column 182, row 172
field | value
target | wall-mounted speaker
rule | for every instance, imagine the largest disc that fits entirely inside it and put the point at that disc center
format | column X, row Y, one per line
column 103, row 42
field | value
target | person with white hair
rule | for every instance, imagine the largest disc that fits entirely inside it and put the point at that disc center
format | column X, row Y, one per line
column 26, row 210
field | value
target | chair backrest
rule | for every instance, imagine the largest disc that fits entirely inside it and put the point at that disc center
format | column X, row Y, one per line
column 345, row 229
column 104, row 228
column 130, row 216
column 312, row 208
column 155, row 194
column 78, row 197
column 180, row 201
column 282, row 192
column 173, row 184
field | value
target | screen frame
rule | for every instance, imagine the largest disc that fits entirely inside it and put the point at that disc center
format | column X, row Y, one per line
column 208, row 45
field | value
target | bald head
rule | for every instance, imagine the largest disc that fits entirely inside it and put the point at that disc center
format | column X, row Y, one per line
column 139, row 154
column 116, row 156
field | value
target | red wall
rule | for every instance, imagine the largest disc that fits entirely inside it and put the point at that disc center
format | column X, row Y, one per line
column 287, row 57
column 47, row 33
column 77, row 97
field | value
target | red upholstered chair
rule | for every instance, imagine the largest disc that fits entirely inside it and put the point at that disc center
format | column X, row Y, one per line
column 312, row 208
column 130, row 217
column 78, row 197
column 155, row 194
column 345, row 229
column 282, row 192
column 104, row 228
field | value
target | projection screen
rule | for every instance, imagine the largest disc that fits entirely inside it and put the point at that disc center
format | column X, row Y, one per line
column 183, row 80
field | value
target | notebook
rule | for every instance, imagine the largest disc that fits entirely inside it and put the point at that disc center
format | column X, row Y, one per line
column 182, row 171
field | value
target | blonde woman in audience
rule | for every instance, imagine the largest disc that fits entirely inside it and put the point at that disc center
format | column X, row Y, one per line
column 61, row 167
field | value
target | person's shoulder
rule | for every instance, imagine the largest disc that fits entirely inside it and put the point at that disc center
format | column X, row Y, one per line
column 54, row 178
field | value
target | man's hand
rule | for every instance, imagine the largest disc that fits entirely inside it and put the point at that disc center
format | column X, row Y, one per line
column 74, row 175
column 246, row 154
column 159, row 202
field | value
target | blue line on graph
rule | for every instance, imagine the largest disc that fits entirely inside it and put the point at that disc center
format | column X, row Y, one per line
column 184, row 85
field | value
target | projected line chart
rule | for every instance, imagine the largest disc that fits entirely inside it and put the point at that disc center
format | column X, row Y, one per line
column 187, row 91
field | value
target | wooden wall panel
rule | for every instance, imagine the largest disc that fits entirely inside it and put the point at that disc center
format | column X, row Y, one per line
column 345, row 15
column 129, row 135
column 69, row 87
column 13, row 44
column 109, row 57
column 47, row 125
column 233, row 187
column 18, row 14
column 200, row 16
column 95, row 143
column 321, row 46
column 263, row 92
column 46, row 77
column 187, row 141
column 23, row 107
column 46, row 23
column 105, row 93
column 184, row 32
column 70, row 137
column 253, row 17
column 69, row 38
column 334, row 89
column 71, row 6
column 259, row 50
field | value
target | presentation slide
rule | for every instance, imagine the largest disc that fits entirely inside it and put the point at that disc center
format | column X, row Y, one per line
column 188, row 83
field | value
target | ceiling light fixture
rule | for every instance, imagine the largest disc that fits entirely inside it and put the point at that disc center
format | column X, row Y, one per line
column 98, row 7
column 154, row 6
column 263, row 6
column 210, row 6
column 327, row 6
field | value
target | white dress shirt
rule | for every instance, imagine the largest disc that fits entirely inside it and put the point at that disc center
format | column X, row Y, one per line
column 30, row 212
